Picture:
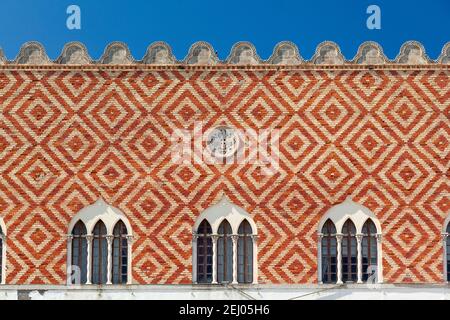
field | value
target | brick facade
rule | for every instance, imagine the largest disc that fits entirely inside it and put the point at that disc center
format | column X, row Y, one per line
column 69, row 135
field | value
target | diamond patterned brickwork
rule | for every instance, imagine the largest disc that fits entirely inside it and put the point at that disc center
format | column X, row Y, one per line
column 68, row 137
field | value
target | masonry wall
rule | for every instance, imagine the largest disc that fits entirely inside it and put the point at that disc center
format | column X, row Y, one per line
column 69, row 136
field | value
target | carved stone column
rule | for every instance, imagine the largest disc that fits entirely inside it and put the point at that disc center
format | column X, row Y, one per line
column 194, row 257
column 379, row 258
column 319, row 258
column 89, row 239
column 109, row 239
column 359, row 238
column 339, row 258
column 235, row 239
column 3, row 253
column 214, row 239
column 255, row 258
column 444, row 250
column 130, row 259
column 69, row 259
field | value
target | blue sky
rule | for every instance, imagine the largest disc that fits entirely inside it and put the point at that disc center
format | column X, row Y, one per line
column 222, row 23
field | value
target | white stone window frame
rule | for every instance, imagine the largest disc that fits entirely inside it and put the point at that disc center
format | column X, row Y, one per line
column 444, row 247
column 90, row 215
column 4, row 247
column 215, row 215
column 358, row 214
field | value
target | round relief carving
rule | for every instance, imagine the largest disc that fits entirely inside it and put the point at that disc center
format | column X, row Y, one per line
column 223, row 142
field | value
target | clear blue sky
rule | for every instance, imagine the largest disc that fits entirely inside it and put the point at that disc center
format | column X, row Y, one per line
column 222, row 23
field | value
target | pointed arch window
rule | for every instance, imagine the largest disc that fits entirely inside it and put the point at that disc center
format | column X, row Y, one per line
column 79, row 252
column 204, row 253
column 245, row 253
column 225, row 253
column 369, row 249
column 329, row 254
column 224, row 248
column 99, row 254
column 349, row 252
column 120, row 254
column 349, row 246
column 100, row 246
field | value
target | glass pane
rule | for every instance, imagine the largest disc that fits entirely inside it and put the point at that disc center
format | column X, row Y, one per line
column 120, row 254
column 329, row 259
column 245, row 259
column 245, row 228
column 224, row 259
column 224, row 253
column 99, row 254
column 369, row 251
column 448, row 255
column 204, row 259
column 329, row 228
column 79, row 254
column 349, row 252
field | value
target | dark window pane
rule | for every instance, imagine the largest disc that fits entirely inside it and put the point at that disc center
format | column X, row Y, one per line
column 79, row 253
column 369, row 250
column 99, row 254
column 329, row 254
column 120, row 254
column 224, row 253
column 204, row 253
column 245, row 253
column 349, row 252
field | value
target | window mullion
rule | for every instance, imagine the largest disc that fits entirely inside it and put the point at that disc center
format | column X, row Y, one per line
column 359, row 239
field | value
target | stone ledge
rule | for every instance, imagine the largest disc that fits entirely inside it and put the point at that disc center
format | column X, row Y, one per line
column 257, row 292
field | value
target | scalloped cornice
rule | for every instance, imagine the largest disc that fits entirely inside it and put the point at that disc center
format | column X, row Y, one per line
column 74, row 53
column 370, row 53
column 201, row 53
column 159, row 53
column 328, row 53
column 243, row 53
column 2, row 57
column 116, row 53
column 32, row 53
column 412, row 52
column 444, row 58
column 285, row 53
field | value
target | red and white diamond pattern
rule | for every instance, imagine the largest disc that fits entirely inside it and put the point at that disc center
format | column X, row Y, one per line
column 70, row 137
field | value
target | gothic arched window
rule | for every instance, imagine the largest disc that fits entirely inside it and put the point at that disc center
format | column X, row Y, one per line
column 120, row 254
column 225, row 253
column 79, row 253
column 349, row 244
column 224, row 247
column 100, row 245
column 369, row 249
column 245, row 253
column 204, row 253
column 99, row 254
column 329, row 255
column 349, row 252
